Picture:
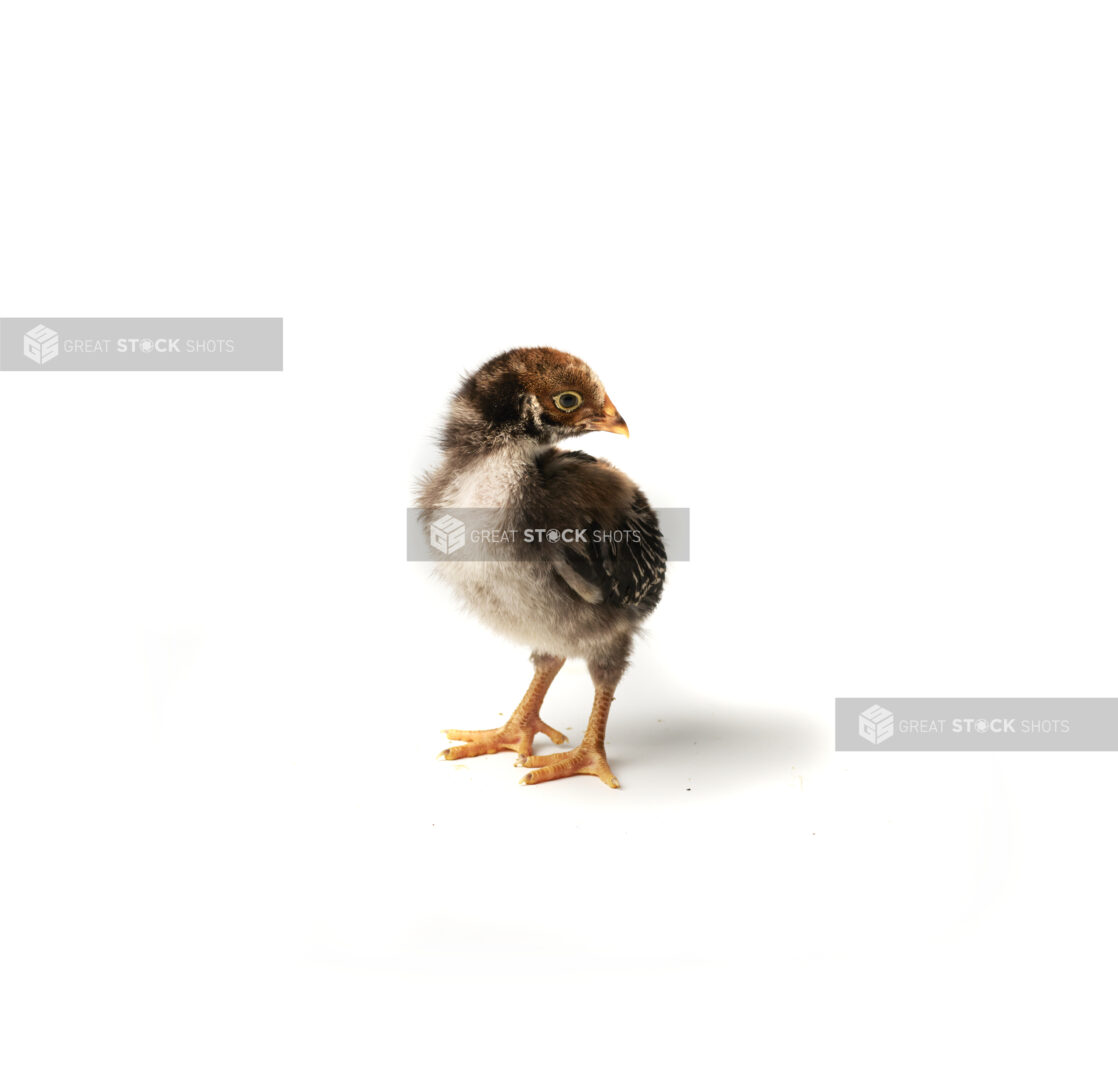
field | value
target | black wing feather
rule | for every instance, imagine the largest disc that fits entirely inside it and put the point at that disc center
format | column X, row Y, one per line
column 626, row 561
column 623, row 555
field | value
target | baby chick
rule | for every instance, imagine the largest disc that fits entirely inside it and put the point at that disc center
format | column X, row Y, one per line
column 579, row 595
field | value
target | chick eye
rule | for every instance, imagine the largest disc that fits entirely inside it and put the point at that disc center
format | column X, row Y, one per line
column 567, row 401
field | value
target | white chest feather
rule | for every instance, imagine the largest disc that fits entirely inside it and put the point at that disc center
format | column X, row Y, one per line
column 493, row 481
column 509, row 595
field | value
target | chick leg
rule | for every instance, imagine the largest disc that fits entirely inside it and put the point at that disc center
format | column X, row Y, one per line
column 589, row 756
column 522, row 726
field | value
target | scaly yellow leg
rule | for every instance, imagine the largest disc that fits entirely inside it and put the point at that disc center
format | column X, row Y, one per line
column 588, row 758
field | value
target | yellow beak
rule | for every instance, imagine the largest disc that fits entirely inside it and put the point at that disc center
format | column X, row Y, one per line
column 611, row 420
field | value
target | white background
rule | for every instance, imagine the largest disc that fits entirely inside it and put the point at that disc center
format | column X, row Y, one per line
column 848, row 270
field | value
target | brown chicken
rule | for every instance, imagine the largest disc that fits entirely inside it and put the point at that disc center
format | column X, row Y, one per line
column 592, row 571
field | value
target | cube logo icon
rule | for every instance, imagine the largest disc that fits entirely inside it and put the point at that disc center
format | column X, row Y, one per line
column 875, row 724
column 40, row 344
column 448, row 534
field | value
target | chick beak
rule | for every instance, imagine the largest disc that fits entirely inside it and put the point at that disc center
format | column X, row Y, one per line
column 611, row 420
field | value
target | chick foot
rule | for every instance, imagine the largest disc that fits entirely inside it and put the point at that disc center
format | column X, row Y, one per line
column 522, row 726
column 515, row 735
column 588, row 758
column 581, row 761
